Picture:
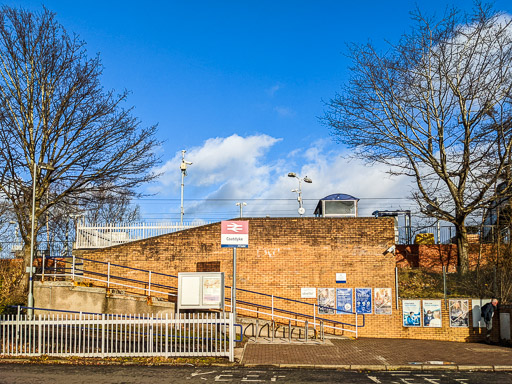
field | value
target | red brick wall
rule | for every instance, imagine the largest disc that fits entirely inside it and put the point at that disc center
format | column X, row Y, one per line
column 434, row 257
column 285, row 255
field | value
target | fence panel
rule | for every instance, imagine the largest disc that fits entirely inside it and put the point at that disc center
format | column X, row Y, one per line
column 100, row 236
column 104, row 335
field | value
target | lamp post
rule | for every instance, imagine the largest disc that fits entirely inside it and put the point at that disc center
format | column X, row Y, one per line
column 183, row 168
column 306, row 179
column 241, row 205
column 30, row 301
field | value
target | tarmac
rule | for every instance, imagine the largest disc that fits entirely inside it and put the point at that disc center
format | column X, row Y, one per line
column 373, row 354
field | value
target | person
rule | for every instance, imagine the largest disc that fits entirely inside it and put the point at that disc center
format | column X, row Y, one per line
column 410, row 320
column 436, row 320
column 487, row 312
column 426, row 319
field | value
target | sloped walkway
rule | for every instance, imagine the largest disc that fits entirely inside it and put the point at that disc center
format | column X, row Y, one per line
column 379, row 354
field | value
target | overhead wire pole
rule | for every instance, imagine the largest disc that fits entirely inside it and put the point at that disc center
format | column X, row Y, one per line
column 183, row 168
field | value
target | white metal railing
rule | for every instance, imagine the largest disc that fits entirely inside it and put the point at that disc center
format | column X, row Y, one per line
column 102, row 335
column 101, row 236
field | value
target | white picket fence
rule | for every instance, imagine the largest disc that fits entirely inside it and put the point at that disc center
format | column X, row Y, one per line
column 174, row 335
column 101, row 236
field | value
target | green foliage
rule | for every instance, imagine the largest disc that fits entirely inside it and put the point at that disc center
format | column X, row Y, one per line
column 421, row 283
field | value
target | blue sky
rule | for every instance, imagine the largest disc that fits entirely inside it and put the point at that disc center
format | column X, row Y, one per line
column 240, row 85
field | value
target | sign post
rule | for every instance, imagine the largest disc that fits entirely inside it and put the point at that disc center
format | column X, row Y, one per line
column 234, row 234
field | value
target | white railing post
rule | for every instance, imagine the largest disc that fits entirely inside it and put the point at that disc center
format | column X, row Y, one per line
column 43, row 266
column 108, row 275
column 149, row 284
column 103, row 323
column 314, row 316
column 272, row 308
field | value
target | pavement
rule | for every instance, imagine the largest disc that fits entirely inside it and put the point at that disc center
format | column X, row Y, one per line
column 374, row 354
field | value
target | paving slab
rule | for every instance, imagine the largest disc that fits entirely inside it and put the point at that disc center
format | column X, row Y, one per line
column 381, row 354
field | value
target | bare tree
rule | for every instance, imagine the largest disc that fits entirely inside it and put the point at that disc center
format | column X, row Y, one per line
column 53, row 110
column 436, row 107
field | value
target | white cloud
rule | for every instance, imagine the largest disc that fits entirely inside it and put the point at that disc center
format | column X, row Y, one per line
column 223, row 163
column 239, row 168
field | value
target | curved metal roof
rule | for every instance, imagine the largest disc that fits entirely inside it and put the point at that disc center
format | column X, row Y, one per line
column 340, row 196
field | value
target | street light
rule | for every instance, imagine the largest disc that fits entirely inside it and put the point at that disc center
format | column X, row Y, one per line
column 30, row 300
column 241, row 205
column 306, row 179
column 183, row 168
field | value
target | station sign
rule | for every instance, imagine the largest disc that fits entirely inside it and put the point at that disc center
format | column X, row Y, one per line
column 234, row 234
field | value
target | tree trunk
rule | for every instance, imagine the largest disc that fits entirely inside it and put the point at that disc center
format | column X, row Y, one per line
column 461, row 234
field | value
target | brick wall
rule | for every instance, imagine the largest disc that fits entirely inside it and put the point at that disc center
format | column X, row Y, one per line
column 285, row 255
column 434, row 257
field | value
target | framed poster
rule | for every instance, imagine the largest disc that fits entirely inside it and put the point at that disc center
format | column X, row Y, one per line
column 326, row 301
column 382, row 300
column 344, row 301
column 411, row 313
column 364, row 300
column 432, row 313
column 459, row 313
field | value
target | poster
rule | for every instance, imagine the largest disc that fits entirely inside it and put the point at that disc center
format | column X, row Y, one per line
column 344, row 303
column 432, row 313
column 326, row 301
column 382, row 301
column 459, row 313
column 307, row 293
column 411, row 313
column 476, row 305
column 364, row 300
column 212, row 290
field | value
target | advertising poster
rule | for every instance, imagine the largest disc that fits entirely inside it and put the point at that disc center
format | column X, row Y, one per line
column 411, row 313
column 212, row 290
column 382, row 301
column 432, row 313
column 344, row 303
column 459, row 313
column 326, row 301
column 364, row 300
column 476, row 309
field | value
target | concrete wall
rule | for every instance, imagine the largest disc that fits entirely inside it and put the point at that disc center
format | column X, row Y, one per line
column 63, row 295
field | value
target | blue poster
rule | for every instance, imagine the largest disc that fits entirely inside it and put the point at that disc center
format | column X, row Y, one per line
column 364, row 300
column 344, row 303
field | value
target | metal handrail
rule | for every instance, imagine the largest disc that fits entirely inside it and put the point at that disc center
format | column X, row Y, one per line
column 149, row 290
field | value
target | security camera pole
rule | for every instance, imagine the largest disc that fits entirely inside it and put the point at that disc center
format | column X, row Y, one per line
column 183, row 168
